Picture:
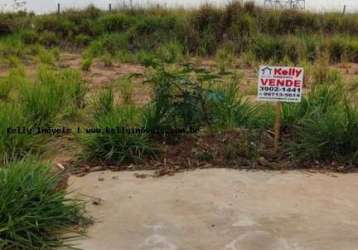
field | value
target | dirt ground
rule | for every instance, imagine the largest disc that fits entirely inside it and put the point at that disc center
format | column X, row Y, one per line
column 220, row 209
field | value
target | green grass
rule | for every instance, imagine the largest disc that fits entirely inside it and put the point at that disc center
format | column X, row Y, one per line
column 34, row 213
column 231, row 110
column 42, row 103
column 125, row 86
column 323, row 126
column 87, row 63
column 5, row 88
column 328, row 136
column 116, row 146
column 15, row 146
column 104, row 103
column 53, row 95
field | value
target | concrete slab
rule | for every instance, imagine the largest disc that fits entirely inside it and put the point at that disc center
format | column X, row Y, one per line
column 221, row 209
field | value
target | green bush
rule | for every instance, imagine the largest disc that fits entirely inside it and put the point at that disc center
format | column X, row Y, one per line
column 82, row 40
column 114, row 42
column 29, row 36
column 116, row 22
column 179, row 99
column 34, row 213
column 269, row 48
column 49, row 38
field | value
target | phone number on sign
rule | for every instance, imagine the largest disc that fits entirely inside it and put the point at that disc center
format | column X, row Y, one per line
column 279, row 94
column 278, row 89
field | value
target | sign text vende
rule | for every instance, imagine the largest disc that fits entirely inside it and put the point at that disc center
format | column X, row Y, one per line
column 282, row 84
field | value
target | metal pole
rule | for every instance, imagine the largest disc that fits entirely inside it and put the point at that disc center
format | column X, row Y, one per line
column 58, row 8
column 344, row 9
column 110, row 7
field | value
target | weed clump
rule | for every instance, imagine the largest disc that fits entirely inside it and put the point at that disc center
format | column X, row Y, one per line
column 34, row 213
column 115, row 142
column 126, row 88
column 323, row 126
column 14, row 145
column 43, row 102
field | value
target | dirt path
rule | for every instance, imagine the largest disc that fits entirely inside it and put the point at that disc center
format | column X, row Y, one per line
column 221, row 209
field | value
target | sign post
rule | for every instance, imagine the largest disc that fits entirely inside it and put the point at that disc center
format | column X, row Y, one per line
column 280, row 84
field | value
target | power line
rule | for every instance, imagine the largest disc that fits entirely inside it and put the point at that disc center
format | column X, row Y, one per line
column 288, row 4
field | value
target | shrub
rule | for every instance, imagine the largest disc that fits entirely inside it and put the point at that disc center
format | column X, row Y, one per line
column 111, row 144
column 49, row 38
column 29, row 36
column 242, row 31
column 116, row 23
column 113, row 42
column 82, row 40
column 269, row 48
column 145, row 58
column 179, row 99
column 34, row 213
column 54, row 24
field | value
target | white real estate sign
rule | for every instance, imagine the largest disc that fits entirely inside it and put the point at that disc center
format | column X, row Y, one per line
column 280, row 84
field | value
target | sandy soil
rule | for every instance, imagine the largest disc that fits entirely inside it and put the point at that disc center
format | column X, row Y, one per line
column 220, row 209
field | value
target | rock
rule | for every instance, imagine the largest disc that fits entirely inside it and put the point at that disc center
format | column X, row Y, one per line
column 262, row 161
column 97, row 201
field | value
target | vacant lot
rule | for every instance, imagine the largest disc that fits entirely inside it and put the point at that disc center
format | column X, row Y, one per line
column 170, row 91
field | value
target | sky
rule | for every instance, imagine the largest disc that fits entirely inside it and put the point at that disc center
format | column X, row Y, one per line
column 42, row 6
